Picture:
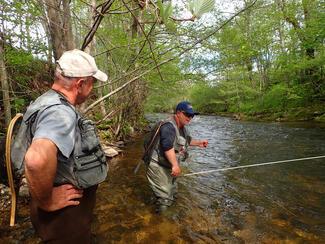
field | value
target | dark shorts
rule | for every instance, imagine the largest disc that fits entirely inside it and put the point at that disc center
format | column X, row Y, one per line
column 68, row 225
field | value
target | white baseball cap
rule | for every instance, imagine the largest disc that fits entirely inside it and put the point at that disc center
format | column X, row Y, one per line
column 76, row 63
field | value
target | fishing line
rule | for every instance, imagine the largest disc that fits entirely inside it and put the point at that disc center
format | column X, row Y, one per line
column 253, row 165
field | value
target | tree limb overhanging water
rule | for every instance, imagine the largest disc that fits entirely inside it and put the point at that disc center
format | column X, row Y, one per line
column 168, row 60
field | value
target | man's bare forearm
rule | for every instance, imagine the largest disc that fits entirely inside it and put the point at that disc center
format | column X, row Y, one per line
column 40, row 166
column 171, row 156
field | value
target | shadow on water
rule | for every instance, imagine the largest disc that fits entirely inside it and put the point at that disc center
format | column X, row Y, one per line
column 283, row 203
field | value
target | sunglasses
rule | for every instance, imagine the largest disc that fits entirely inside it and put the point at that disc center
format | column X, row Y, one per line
column 188, row 115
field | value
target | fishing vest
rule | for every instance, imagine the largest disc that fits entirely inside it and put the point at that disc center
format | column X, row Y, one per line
column 180, row 145
column 86, row 165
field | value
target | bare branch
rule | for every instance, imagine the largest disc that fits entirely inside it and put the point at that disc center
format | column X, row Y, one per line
column 188, row 19
column 144, row 33
column 168, row 60
column 110, row 114
column 143, row 45
column 104, row 8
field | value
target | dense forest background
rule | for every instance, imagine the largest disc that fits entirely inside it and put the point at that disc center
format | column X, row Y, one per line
column 262, row 58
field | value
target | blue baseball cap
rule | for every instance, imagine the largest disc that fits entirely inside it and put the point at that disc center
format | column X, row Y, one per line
column 186, row 107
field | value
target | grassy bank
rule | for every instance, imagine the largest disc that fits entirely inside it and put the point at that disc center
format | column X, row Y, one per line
column 311, row 113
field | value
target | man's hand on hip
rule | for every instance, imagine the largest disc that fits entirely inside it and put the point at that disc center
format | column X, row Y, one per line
column 61, row 197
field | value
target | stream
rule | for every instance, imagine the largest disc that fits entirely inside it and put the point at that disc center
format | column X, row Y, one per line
column 280, row 203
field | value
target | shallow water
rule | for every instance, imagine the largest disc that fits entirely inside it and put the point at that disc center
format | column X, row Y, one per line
column 268, row 204
column 281, row 203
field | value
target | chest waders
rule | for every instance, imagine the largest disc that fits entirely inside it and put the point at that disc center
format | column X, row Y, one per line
column 162, row 183
column 151, row 140
column 180, row 146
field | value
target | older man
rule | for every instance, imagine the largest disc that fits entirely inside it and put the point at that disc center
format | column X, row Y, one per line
column 171, row 149
column 64, row 162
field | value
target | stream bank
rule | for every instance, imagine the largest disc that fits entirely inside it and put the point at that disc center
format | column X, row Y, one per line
column 314, row 113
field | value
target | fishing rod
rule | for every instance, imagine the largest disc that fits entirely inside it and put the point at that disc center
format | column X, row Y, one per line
column 252, row 165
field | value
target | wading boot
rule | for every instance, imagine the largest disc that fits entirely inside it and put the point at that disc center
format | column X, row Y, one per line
column 162, row 205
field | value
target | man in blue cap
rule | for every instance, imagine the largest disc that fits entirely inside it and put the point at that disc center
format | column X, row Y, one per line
column 170, row 150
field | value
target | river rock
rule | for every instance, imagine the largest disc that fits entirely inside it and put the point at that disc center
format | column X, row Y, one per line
column 238, row 116
column 120, row 143
column 23, row 190
column 110, row 152
column 4, row 197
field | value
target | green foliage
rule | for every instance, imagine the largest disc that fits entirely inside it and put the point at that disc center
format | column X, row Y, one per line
column 164, row 95
column 165, row 10
column 207, row 99
column 200, row 7
column 260, row 61
column 16, row 57
column 280, row 97
column 276, row 97
column 126, row 128
column 23, row 68
column 264, row 62
column 320, row 118
column 19, row 104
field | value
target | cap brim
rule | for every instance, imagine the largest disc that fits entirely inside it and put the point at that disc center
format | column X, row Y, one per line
column 100, row 76
column 192, row 112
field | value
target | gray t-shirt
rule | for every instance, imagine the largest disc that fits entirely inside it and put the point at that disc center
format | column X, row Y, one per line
column 58, row 124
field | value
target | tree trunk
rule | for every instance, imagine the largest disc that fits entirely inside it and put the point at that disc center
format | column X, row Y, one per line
column 45, row 24
column 67, row 26
column 247, row 33
column 91, row 49
column 4, row 84
column 59, row 22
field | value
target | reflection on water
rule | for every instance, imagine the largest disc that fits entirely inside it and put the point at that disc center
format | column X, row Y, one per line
column 282, row 203
column 268, row 204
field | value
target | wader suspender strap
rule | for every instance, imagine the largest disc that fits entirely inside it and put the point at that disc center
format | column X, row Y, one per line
column 154, row 137
column 150, row 145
